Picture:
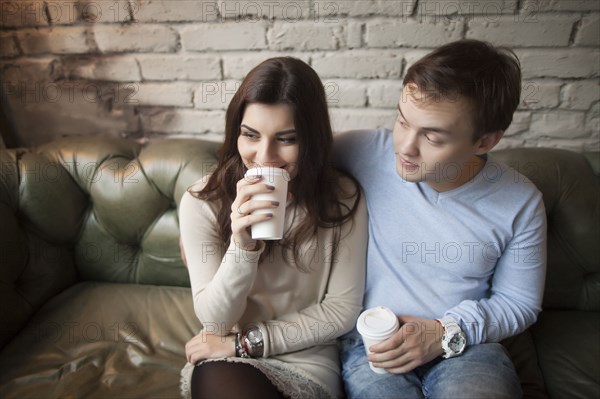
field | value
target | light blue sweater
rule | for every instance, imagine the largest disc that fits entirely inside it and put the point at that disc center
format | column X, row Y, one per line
column 476, row 254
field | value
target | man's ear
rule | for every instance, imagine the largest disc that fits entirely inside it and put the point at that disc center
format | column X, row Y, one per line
column 488, row 141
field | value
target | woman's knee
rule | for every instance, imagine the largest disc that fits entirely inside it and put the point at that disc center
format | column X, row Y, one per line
column 224, row 379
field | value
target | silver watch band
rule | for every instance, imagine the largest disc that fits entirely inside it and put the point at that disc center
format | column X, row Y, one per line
column 253, row 340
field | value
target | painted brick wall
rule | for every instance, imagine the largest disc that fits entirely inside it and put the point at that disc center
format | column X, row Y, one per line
column 144, row 68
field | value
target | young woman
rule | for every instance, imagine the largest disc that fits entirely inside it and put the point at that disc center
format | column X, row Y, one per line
column 271, row 310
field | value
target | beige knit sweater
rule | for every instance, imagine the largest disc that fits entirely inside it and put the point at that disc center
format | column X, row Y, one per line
column 300, row 313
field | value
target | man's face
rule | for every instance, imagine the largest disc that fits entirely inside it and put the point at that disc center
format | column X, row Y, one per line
column 433, row 140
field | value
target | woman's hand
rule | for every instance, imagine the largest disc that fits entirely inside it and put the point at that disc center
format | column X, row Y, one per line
column 243, row 206
column 209, row 346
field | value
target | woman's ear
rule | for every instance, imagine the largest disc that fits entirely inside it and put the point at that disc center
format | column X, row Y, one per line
column 488, row 141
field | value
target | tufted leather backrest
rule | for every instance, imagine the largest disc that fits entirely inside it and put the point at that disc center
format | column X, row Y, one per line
column 571, row 193
column 91, row 209
column 105, row 209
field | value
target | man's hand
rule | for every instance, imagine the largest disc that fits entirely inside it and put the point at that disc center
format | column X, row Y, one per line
column 209, row 346
column 417, row 342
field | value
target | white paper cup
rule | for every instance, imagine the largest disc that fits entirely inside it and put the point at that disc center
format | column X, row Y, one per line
column 375, row 325
column 271, row 229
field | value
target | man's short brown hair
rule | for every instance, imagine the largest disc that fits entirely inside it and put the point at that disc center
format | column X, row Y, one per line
column 489, row 77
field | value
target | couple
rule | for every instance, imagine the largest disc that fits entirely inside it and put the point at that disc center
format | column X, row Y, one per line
column 454, row 243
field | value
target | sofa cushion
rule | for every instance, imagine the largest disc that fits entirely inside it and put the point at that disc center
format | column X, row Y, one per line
column 524, row 356
column 32, row 268
column 572, row 199
column 568, row 350
column 99, row 340
column 91, row 208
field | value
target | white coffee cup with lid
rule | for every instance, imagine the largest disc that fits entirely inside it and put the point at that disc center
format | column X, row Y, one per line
column 271, row 229
column 375, row 325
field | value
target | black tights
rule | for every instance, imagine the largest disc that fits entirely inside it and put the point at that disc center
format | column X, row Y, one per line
column 230, row 380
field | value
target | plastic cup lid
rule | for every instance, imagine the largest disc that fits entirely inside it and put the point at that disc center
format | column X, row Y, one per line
column 378, row 321
column 268, row 171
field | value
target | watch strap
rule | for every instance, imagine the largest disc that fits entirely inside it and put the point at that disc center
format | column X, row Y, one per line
column 452, row 335
column 253, row 340
column 240, row 348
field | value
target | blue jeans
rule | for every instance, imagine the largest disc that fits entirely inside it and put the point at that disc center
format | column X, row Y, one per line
column 482, row 371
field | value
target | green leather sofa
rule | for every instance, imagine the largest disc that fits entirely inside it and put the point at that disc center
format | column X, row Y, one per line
column 95, row 301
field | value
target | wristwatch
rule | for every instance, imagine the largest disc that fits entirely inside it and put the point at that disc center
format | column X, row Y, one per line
column 240, row 347
column 454, row 339
column 253, row 340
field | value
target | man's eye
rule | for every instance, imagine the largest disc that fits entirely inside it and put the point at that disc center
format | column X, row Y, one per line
column 433, row 140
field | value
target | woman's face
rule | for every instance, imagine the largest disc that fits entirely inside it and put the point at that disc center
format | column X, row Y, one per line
column 268, row 137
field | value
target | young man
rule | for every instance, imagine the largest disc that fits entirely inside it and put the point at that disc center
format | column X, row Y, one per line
column 457, row 240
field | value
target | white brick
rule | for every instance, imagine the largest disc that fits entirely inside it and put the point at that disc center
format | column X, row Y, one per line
column 179, row 67
column 343, row 119
column 135, row 38
column 589, row 31
column 8, row 45
column 388, row 33
column 120, row 94
column 360, row 8
column 450, row 10
column 174, row 11
column 252, row 11
column 345, row 93
column 545, row 31
column 65, row 114
column 164, row 94
column 62, row 13
column 592, row 122
column 558, row 124
column 182, row 121
column 395, row 8
column 568, row 63
column 215, row 95
column 28, row 70
column 237, row 65
column 384, row 93
column 59, row 40
column 306, row 36
column 535, row 6
column 358, row 64
column 578, row 145
column 540, row 94
column 519, row 124
column 345, row 7
column 354, row 36
column 118, row 69
column 580, row 95
column 103, row 11
column 412, row 57
column 217, row 137
column 19, row 13
column 88, row 11
column 224, row 36
column 509, row 142
column 339, row 93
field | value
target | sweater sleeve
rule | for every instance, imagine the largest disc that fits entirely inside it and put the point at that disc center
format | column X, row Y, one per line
column 220, row 278
column 517, row 286
column 337, row 312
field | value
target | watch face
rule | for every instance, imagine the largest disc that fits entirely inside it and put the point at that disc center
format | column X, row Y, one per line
column 254, row 336
column 457, row 342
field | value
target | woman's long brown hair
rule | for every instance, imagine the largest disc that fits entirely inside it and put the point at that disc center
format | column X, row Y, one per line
column 316, row 187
